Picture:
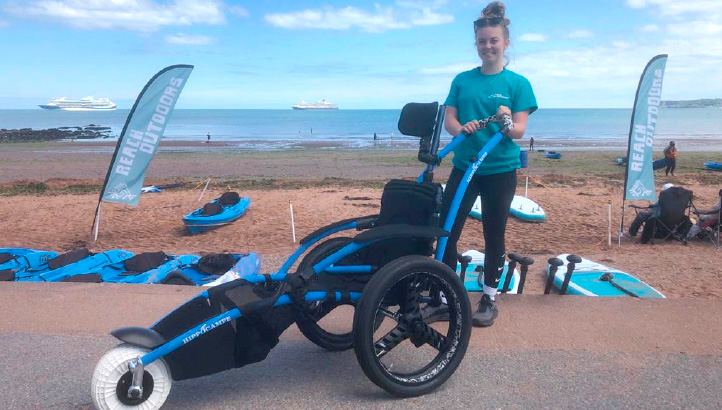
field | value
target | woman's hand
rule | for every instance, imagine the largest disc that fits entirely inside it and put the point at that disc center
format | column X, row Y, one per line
column 470, row 127
column 503, row 110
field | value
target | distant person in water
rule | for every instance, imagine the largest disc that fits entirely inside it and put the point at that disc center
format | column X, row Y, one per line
column 531, row 143
column 670, row 158
column 208, row 136
column 375, row 137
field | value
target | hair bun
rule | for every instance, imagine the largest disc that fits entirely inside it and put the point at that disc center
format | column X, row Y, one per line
column 493, row 9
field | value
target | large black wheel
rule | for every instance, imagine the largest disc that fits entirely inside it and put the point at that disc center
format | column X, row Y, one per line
column 310, row 322
column 405, row 355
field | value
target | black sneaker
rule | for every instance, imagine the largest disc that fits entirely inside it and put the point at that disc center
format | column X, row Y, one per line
column 485, row 313
column 433, row 314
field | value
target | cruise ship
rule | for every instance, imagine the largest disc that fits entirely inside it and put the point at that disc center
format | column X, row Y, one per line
column 320, row 105
column 84, row 104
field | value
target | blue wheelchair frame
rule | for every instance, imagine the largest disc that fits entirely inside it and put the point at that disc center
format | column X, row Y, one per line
column 325, row 265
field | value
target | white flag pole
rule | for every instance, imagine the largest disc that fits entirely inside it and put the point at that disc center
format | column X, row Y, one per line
column 97, row 222
column 526, row 187
column 293, row 225
column 204, row 189
column 609, row 213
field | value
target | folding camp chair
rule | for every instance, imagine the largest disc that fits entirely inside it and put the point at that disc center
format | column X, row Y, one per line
column 669, row 217
column 712, row 231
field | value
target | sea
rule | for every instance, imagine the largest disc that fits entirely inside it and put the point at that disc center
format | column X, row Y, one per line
column 693, row 129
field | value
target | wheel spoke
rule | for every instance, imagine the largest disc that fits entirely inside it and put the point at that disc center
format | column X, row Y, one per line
column 433, row 338
column 391, row 340
column 413, row 295
column 386, row 312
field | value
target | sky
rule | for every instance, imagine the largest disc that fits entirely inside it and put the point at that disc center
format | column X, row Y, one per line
column 359, row 55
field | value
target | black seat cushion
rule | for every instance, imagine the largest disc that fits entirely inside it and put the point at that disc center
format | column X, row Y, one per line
column 211, row 209
column 145, row 261
column 68, row 257
column 217, row 263
column 4, row 257
column 229, row 198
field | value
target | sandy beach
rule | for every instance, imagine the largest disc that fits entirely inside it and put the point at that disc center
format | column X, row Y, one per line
column 50, row 192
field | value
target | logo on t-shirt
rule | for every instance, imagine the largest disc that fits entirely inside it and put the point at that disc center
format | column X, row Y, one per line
column 497, row 95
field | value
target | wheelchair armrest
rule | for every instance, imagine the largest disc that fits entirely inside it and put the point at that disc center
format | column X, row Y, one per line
column 362, row 223
column 400, row 231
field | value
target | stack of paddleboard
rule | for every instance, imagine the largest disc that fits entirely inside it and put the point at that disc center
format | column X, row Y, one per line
column 474, row 276
column 221, row 211
column 521, row 207
column 119, row 266
column 594, row 279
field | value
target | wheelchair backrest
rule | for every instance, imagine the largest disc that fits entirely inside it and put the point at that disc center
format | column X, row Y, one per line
column 410, row 202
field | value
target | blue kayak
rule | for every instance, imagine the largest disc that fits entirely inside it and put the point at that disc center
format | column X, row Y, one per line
column 473, row 271
column 72, row 263
column 150, row 267
column 594, row 279
column 715, row 166
column 221, row 211
column 205, row 270
column 553, row 155
column 14, row 261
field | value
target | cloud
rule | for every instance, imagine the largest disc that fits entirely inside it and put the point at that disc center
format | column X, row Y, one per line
column 533, row 37
column 580, row 34
column 187, row 39
column 4, row 24
column 238, row 11
column 134, row 15
column 404, row 15
column 676, row 7
column 649, row 28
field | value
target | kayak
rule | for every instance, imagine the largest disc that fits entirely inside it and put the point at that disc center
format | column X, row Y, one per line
column 14, row 261
column 221, row 211
column 73, row 263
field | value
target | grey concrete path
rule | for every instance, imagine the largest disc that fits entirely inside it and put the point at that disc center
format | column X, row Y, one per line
column 544, row 352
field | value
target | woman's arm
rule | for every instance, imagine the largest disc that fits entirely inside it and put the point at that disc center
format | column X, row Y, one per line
column 519, row 118
column 454, row 127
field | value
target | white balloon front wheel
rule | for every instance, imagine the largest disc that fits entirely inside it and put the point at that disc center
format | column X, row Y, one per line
column 112, row 378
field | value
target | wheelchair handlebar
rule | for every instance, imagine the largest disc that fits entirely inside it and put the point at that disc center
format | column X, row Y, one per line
column 505, row 120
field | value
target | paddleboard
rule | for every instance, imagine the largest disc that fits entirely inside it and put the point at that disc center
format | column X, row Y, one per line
column 521, row 207
column 587, row 280
column 471, row 278
column 526, row 209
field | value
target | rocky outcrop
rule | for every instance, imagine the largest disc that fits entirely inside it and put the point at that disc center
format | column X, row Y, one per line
column 54, row 134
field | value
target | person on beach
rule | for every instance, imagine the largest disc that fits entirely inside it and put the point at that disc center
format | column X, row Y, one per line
column 670, row 158
column 476, row 94
column 531, row 143
column 708, row 218
column 208, row 136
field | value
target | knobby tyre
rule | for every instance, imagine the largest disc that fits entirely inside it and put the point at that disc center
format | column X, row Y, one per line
column 405, row 355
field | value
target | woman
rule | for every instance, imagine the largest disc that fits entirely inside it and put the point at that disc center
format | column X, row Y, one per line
column 477, row 94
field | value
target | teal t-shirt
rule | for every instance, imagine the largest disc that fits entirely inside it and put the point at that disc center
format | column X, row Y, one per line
column 477, row 96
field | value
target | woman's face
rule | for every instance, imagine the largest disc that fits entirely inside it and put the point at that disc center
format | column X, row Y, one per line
column 490, row 44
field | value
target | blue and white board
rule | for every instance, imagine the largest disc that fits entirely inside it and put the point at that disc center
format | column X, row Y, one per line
column 526, row 209
column 586, row 281
column 521, row 207
column 471, row 278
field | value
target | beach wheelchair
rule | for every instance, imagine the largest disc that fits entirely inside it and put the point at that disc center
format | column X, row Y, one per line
column 389, row 272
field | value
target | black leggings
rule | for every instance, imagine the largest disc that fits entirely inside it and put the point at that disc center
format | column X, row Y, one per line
column 671, row 165
column 496, row 192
